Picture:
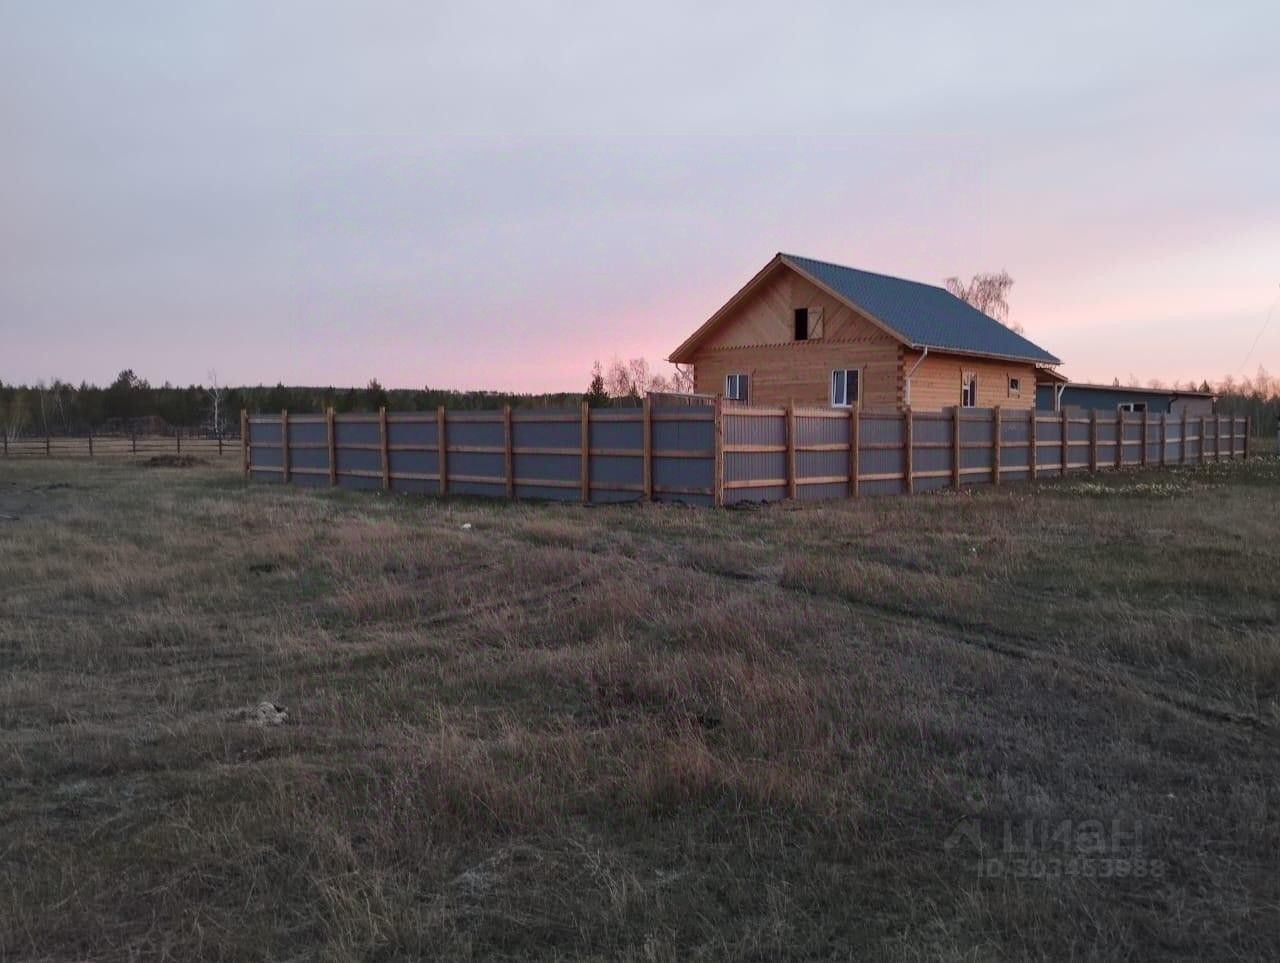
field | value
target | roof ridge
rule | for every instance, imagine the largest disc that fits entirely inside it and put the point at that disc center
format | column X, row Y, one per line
column 878, row 274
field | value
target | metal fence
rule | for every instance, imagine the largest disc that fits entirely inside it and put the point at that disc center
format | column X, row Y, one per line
column 588, row 455
column 717, row 454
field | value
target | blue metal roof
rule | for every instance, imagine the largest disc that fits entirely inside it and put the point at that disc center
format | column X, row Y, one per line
column 922, row 314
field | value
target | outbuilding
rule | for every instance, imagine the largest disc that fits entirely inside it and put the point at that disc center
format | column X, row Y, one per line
column 1055, row 394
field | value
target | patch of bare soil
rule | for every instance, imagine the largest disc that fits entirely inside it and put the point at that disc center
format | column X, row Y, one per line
column 173, row 461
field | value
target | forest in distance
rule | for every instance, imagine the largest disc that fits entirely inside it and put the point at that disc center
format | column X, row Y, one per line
column 58, row 407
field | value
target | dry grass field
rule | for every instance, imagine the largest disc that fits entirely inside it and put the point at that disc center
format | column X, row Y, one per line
column 1039, row 722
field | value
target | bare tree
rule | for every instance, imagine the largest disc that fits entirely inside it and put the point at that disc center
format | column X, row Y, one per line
column 989, row 293
column 216, row 394
column 682, row 380
column 634, row 378
column 15, row 418
column 42, row 392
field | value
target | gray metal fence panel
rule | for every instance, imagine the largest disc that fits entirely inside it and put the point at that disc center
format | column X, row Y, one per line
column 310, row 459
column 619, row 434
column 543, row 493
column 974, row 432
column 358, row 460
column 532, row 468
column 266, row 457
column 1015, row 453
column 544, row 451
column 1048, row 444
column 361, row 482
column 755, row 430
column 265, row 432
column 551, row 434
column 618, row 473
column 821, row 474
column 933, row 438
column 691, row 431
column 882, row 460
column 975, row 465
column 356, row 433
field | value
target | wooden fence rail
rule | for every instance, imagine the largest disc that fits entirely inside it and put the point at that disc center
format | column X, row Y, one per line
column 115, row 445
column 717, row 454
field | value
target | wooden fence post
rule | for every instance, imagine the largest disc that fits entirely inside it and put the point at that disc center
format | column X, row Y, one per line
column 331, row 443
column 91, row 441
column 955, row 447
column 1200, row 445
column 442, row 449
column 244, row 441
column 997, row 442
column 1093, row 441
column 1119, row 438
column 908, row 449
column 177, row 433
column 1033, row 444
column 1248, row 435
column 219, row 430
column 1164, row 438
column 717, row 470
column 646, row 446
column 133, row 441
column 384, row 449
column 1231, row 456
column 1066, row 442
column 1182, row 447
column 507, row 454
column 46, row 440
column 1146, row 434
column 585, row 470
column 1217, row 438
column 855, row 443
column 284, row 444
column 791, row 450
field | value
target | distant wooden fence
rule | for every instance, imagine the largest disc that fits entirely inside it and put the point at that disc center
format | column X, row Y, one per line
column 108, row 446
column 717, row 454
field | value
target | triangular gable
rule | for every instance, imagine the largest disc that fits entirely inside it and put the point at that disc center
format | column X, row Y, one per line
column 779, row 262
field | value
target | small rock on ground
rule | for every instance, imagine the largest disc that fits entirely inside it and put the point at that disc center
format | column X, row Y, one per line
column 263, row 714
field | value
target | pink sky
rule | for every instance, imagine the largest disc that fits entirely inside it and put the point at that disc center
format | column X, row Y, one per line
column 494, row 196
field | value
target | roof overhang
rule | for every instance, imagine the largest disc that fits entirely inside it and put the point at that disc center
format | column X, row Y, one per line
column 941, row 349
column 1047, row 376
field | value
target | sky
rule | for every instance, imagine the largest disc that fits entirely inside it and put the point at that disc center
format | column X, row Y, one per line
column 493, row 195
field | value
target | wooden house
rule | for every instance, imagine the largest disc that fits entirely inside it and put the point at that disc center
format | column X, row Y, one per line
column 821, row 334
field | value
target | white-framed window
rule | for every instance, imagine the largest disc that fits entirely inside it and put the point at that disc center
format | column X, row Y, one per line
column 1138, row 406
column 969, row 390
column 1015, row 387
column 846, row 387
column 737, row 387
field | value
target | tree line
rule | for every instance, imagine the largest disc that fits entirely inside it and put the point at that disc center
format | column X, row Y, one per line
column 131, row 403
